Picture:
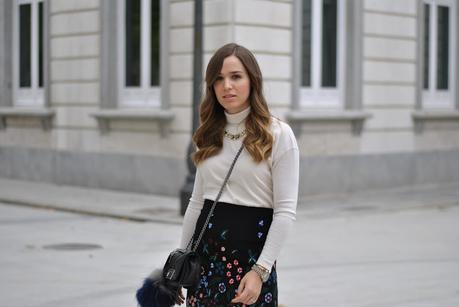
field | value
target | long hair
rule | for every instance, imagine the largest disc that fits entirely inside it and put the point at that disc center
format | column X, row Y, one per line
column 209, row 136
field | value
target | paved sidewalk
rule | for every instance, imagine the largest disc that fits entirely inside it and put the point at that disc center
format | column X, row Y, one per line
column 165, row 209
column 388, row 248
column 108, row 203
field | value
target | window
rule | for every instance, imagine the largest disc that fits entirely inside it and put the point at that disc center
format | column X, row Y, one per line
column 28, row 53
column 139, row 50
column 322, row 53
column 439, row 27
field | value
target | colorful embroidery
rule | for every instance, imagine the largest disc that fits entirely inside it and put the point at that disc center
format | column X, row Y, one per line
column 221, row 287
column 221, row 276
column 228, row 252
column 268, row 297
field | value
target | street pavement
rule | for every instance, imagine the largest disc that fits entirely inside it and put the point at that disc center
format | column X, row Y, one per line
column 68, row 246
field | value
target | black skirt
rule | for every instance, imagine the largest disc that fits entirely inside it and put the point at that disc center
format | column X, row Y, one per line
column 231, row 244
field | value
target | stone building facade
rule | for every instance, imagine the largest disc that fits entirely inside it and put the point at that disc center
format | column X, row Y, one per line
column 98, row 93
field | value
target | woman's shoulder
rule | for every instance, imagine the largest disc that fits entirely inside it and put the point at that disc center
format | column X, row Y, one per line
column 281, row 128
column 283, row 134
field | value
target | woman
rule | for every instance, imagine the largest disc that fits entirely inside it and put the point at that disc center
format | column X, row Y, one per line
column 258, row 205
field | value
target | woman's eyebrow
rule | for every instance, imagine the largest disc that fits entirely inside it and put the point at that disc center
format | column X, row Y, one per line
column 233, row 72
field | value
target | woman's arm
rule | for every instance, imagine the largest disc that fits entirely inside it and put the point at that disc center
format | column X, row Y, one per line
column 193, row 211
column 285, row 176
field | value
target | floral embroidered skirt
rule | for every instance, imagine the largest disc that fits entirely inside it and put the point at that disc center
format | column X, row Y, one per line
column 230, row 246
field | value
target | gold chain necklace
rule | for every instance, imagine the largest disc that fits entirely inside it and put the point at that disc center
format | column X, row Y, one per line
column 236, row 136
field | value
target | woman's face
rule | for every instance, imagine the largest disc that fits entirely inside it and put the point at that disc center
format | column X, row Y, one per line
column 232, row 86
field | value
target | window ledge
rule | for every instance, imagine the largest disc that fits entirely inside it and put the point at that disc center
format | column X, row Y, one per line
column 421, row 116
column 104, row 117
column 45, row 115
column 356, row 118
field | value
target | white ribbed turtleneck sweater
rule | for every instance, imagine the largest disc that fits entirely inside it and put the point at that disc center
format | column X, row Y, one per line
column 272, row 183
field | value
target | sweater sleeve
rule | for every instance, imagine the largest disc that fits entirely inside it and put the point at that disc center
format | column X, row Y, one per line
column 193, row 210
column 285, row 176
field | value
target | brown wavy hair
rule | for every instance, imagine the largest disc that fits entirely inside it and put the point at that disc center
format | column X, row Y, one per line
column 209, row 136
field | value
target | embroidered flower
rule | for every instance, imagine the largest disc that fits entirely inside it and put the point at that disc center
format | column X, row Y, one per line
column 235, row 262
column 260, row 234
column 268, row 297
column 261, row 223
column 192, row 300
column 204, row 281
column 223, row 249
column 228, row 274
column 224, row 258
column 239, row 270
column 223, row 234
column 220, row 268
column 221, row 287
column 205, row 248
column 229, row 266
column 238, row 277
column 231, row 281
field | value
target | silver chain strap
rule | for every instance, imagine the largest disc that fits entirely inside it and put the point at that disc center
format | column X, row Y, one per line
column 215, row 202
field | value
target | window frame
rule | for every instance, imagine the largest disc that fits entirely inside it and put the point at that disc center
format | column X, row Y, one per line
column 434, row 98
column 316, row 96
column 33, row 96
column 145, row 96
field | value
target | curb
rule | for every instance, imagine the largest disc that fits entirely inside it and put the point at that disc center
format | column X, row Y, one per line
column 15, row 202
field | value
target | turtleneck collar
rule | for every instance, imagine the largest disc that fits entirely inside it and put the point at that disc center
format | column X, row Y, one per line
column 237, row 118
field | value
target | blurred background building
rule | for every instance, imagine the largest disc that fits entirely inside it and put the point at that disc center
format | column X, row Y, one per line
column 98, row 93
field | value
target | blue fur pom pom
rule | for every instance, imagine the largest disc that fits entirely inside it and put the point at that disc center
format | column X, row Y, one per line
column 154, row 293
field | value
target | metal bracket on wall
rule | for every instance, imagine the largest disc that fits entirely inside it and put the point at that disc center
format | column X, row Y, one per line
column 2, row 122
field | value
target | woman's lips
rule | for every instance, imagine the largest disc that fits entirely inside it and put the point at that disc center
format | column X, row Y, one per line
column 229, row 96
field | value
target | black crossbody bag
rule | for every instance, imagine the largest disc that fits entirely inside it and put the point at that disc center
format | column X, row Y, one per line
column 182, row 267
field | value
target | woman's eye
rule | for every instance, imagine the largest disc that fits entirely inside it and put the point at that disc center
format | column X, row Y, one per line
column 236, row 76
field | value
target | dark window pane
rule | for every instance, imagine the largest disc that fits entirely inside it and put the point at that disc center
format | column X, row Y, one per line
column 426, row 44
column 25, row 64
column 133, row 43
column 306, row 44
column 329, row 35
column 443, row 48
column 40, row 44
column 155, row 41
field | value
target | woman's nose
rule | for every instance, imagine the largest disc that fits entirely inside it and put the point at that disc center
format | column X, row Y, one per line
column 227, row 83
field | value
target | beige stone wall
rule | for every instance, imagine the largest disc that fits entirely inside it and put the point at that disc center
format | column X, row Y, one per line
column 389, row 87
column 181, row 73
column 390, row 43
column 389, row 74
column 74, row 73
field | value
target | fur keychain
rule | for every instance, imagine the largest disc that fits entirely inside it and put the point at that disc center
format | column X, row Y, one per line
column 154, row 293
